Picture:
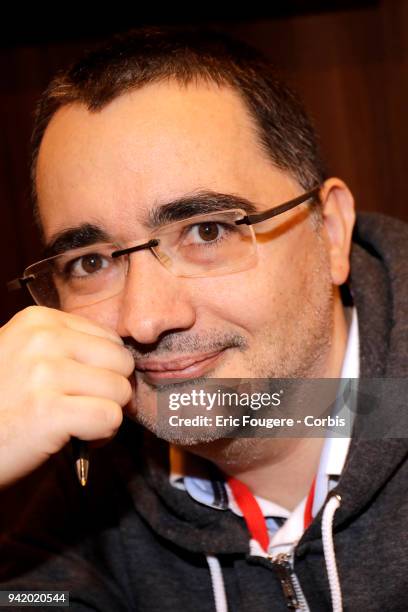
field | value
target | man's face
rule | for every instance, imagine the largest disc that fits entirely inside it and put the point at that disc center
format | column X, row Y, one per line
column 157, row 145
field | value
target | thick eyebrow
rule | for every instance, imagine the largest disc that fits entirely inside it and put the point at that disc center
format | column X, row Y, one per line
column 187, row 206
column 74, row 238
column 197, row 204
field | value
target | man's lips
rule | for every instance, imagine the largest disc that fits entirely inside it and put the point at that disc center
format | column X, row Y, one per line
column 181, row 367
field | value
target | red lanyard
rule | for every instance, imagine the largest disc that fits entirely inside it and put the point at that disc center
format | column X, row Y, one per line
column 252, row 513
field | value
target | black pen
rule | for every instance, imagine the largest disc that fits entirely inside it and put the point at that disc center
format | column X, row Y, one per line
column 80, row 451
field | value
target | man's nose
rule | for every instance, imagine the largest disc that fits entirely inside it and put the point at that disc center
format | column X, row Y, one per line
column 153, row 300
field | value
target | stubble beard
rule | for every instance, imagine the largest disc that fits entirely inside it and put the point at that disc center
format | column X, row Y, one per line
column 299, row 346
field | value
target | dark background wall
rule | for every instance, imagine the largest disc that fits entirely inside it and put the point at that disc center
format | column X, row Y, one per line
column 348, row 60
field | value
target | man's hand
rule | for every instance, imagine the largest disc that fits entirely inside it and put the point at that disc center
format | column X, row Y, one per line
column 61, row 375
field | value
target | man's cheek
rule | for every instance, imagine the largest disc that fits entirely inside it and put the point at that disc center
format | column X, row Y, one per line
column 231, row 297
column 105, row 313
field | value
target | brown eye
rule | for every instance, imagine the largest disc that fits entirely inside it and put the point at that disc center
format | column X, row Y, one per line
column 86, row 265
column 208, row 231
column 91, row 263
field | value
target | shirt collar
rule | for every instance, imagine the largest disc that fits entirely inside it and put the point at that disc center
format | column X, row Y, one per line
column 187, row 473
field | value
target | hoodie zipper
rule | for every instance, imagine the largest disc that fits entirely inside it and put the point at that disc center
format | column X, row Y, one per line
column 292, row 591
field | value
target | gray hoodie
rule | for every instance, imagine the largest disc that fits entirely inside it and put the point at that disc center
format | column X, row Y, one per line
column 131, row 541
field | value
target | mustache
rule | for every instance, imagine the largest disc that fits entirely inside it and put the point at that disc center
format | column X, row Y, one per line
column 184, row 342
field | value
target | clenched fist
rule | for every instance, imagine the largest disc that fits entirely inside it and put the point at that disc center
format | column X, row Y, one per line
column 61, row 375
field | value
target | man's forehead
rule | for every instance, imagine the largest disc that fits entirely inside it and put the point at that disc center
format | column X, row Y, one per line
column 152, row 145
column 186, row 112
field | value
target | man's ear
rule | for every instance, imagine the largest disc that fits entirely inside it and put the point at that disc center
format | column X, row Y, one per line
column 338, row 219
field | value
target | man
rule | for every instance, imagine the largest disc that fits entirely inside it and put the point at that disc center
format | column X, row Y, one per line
column 129, row 145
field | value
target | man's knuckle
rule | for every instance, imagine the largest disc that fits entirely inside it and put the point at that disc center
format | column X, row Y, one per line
column 41, row 402
column 126, row 392
column 113, row 417
column 129, row 362
column 33, row 314
column 43, row 338
column 43, row 372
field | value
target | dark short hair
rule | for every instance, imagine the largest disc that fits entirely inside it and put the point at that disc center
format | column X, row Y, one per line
column 148, row 55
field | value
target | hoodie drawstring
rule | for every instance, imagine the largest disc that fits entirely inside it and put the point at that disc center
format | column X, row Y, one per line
column 217, row 584
column 329, row 554
column 256, row 549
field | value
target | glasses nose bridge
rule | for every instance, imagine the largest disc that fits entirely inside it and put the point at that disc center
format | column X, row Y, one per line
column 124, row 255
column 136, row 247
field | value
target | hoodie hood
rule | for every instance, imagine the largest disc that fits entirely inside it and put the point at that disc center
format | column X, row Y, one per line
column 379, row 288
column 378, row 285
